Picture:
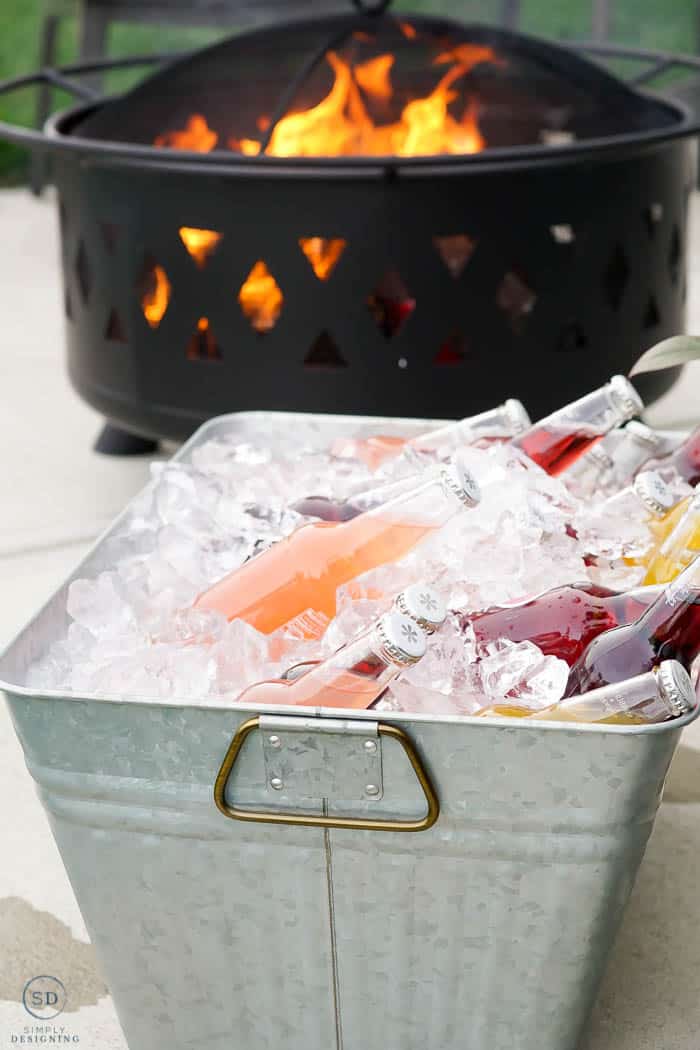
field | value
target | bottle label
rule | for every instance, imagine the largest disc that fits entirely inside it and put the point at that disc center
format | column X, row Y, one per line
column 677, row 593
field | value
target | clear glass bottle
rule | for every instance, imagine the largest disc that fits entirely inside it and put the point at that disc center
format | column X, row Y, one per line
column 612, row 464
column 681, row 545
column 495, row 424
column 558, row 440
column 305, row 570
column 669, row 629
column 684, row 462
column 420, row 602
column 353, row 677
column 619, row 530
column 655, row 696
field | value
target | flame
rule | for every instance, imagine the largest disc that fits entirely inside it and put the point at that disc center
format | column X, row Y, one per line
column 374, row 76
column 341, row 125
column 156, row 296
column 196, row 136
column 261, row 298
column 323, row 253
column 409, row 31
column 199, row 243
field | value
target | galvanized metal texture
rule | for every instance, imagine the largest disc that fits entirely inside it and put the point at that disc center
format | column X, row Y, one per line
column 490, row 931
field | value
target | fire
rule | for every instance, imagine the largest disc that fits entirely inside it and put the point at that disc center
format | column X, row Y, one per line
column 323, row 254
column 199, row 243
column 261, row 298
column 196, row 136
column 341, row 124
column 156, row 295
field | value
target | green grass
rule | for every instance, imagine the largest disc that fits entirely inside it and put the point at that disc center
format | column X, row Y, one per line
column 643, row 23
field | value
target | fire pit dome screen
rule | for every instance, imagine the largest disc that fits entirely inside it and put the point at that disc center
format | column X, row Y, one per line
column 379, row 87
column 376, row 214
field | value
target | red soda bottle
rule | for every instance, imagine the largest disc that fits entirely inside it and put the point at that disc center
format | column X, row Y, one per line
column 668, row 630
column 561, row 438
column 684, row 462
column 563, row 621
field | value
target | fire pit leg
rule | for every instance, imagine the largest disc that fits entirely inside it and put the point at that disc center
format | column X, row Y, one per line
column 112, row 441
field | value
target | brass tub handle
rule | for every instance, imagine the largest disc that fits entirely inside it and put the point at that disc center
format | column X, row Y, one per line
column 264, row 816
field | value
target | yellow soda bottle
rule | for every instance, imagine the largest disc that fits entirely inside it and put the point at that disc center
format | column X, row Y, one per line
column 679, row 548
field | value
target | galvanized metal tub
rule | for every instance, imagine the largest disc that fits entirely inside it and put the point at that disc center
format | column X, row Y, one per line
column 489, row 930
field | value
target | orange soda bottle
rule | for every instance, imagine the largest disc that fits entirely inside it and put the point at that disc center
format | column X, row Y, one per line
column 304, row 571
column 356, row 675
column 496, row 424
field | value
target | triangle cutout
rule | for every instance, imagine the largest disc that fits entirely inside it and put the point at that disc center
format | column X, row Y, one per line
column 455, row 251
column 453, row 351
column 201, row 244
column 324, row 354
column 114, row 331
column 202, row 345
column 323, row 254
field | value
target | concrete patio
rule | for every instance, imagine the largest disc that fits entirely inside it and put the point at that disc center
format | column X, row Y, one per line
column 57, row 496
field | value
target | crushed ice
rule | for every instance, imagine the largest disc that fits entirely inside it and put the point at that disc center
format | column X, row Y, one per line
column 133, row 632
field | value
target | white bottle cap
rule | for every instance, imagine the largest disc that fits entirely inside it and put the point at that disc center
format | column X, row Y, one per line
column 651, row 489
column 643, row 435
column 460, row 482
column 399, row 640
column 676, row 687
column 624, row 395
column 424, row 605
column 517, row 415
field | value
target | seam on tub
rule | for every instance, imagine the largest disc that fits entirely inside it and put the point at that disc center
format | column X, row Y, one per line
column 331, row 921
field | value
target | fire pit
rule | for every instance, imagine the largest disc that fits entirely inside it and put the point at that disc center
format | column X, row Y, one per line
column 369, row 213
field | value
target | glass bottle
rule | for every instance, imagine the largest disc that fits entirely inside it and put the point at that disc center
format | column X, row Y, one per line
column 563, row 621
column 355, row 675
column 684, row 462
column 420, row 602
column 305, row 570
column 499, row 423
column 619, row 530
column 680, row 546
column 612, row 464
column 655, row 696
column 559, row 439
column 668, row 629
column 328, row 509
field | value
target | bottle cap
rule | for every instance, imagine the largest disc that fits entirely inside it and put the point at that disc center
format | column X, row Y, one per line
column 517, row 415
column 625, row 396
column 422, row 604
column 643, row 435
column 651, row 489
column 398, row 640
column 675, row 687
column 460, row 482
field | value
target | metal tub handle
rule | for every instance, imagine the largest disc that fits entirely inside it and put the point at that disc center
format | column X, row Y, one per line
column 263, row 816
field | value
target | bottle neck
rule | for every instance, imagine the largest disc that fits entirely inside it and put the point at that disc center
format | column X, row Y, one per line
column 429, row 503
column 358, row 658
column 496, row 422
column 672, row 622
column 594, row 413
